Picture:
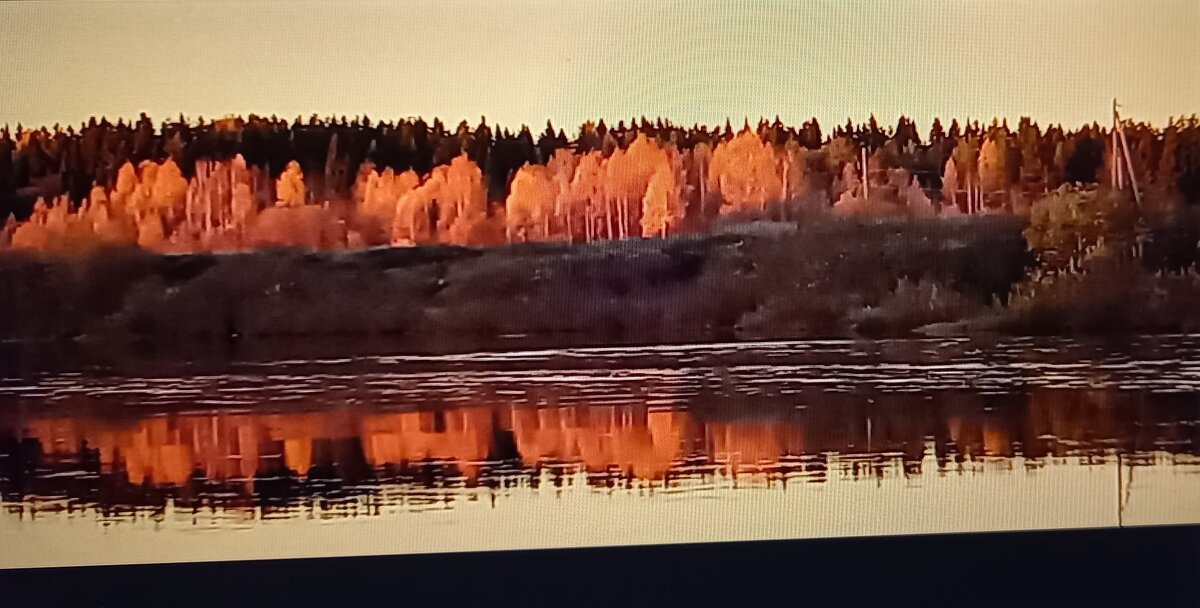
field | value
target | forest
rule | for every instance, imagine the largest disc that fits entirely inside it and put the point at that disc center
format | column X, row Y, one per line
column 245, row 183
column 639, row 232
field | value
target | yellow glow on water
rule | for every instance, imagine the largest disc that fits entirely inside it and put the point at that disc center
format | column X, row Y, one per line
column 1060, row 494
column 206, row 485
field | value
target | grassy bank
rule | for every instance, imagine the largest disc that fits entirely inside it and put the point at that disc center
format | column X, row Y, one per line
column 833, row 278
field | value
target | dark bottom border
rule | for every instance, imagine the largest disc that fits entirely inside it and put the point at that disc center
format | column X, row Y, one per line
column 1139, row 567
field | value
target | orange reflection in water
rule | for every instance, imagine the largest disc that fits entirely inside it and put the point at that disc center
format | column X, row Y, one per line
column 169, row 450
column 635, row 440
column 630, row 438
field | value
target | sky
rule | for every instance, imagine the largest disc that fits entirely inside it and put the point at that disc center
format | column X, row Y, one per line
column 1059, row 61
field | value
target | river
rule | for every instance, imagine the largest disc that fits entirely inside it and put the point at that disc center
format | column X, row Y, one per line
column 385, row 454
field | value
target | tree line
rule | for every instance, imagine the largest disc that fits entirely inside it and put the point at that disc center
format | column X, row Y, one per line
column 71, row 160
column 412, row 181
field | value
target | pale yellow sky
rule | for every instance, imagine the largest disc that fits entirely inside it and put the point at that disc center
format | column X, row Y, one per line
column 523, row 62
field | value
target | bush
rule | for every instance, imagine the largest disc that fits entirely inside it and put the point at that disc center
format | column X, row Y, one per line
column 913, row 305
column 824, row 278
column 1112, row 296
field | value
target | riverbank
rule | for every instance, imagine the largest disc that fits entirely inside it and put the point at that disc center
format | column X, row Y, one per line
column 826, row 279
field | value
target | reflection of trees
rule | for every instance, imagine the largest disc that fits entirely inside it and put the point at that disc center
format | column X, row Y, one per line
column 1063, row 422
column 270, row 460
column 632, row 439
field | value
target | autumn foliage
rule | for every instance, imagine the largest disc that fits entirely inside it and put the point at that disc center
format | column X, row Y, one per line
column 331, row 185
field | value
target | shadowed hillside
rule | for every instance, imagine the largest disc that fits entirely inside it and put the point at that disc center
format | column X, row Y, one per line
column 831, row 278
column 755, row 280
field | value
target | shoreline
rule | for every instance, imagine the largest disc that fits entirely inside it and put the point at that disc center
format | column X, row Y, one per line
column 827, row 279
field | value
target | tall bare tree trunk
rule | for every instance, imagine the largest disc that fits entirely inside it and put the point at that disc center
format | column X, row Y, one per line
column 866, row 176
column 188, row 205
column 786, row 165
column 1114, row 163
column 330, row 162
column 207, row 197
column 624, row 217
column 608, row 215
column 619, row 202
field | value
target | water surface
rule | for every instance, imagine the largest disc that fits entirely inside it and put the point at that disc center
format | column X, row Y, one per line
column 390, row 454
